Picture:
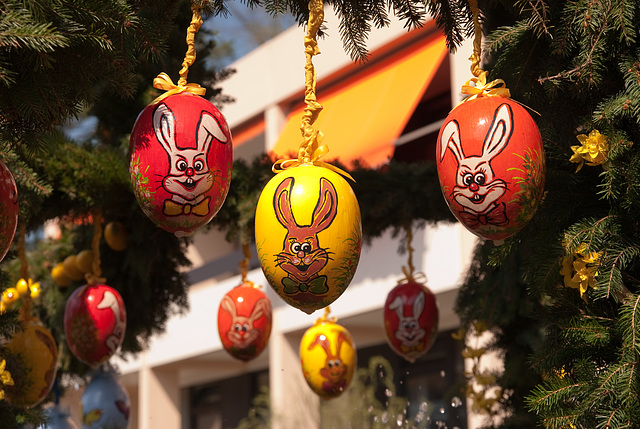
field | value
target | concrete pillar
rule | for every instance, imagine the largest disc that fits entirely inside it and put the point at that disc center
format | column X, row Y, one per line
column 158, row 399
column 293, row 404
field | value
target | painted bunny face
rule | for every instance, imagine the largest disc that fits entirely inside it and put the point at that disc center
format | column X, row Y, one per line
column 189, row 175
column 477, row 190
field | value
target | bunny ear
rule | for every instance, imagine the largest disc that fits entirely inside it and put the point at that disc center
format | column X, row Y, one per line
column 164, row 126
column 500, row 132
column 397, row 305
column 228, row 305
column 282, row 203
column 450, row 139
column 208, row 128
column 260, row 309
column 418, row 305
column 324, row 343
column 327, row 207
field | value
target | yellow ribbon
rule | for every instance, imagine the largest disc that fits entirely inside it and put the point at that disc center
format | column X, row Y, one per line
column 164, row 82
column 480, row 87
column 317, row 150
column 311, row 149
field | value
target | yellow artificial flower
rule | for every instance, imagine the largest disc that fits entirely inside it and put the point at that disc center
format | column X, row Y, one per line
column 580, row 269
column 593, row 151
column 25, row 287
column 5, row 378
column 9, row 297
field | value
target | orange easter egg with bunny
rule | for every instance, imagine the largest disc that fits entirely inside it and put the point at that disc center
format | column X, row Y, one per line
column 491, row 166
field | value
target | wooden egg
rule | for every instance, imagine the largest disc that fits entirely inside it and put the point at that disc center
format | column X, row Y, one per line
column 181, row 162
column 411, row 319
column 95, row 321
column 244, row 321
column 32, row 358
column 328, row 358
column 8, row 209
column 308, row 236
column 491, row 166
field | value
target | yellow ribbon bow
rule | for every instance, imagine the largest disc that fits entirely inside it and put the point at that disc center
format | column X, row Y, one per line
column 175, row 209
column 480, row 87
column 164, row 82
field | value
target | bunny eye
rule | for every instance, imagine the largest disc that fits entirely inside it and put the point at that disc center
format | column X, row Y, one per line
column 467, row 179
column 245, row 327
column 295, row 247
column 305, row 247
column 237, row 327
column 480, row 178
column 337, row 362
column 181, row 165
column 198, row 165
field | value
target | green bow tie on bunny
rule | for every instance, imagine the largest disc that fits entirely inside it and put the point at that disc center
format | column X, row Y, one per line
column 317, row 285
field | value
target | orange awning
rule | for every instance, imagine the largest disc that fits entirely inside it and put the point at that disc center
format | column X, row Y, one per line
column 365, row 117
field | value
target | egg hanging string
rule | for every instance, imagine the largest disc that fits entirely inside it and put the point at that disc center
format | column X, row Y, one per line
column 325, row 317
column 96, row 271
column 164, row 82
column 409, row 270
column 311, row 149
column 478, row 86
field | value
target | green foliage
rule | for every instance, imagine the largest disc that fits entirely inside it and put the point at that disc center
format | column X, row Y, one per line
column 576, row 64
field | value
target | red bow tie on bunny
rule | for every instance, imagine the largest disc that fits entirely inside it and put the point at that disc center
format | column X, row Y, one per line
column 496, row 216
column 171, row 208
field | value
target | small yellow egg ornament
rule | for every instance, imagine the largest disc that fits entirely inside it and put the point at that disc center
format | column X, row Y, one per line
column 328, row 358
column 308, row 235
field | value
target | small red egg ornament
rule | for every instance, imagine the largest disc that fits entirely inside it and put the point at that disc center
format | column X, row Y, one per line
column 32, row 359
column 244, row 321
column 308, row 235
column 8, row 209
column 491, row 166
column 95, row 321
column 181, row 161
column 328, row 358
column 411, row 319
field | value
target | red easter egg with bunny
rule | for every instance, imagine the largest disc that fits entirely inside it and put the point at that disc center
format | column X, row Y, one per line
column 181, row 161
column 95, row 321
column 491, row 166
column 411, row 319
column 8, row 209
column 244, row 321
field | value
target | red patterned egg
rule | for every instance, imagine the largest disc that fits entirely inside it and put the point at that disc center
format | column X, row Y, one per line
column 244, row 321
column 491, row 166
column 95, row 321
column 411, row 319
column 181, row 162
column 328, row 358
column 31, row 359
column 8, row 209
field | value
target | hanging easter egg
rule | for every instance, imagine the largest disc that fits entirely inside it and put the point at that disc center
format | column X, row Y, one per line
column 105, row 403
column 57, row 419
column 491, row 166
column 181, row 161
column 8, row 209
column 95, row 321
column 308, row 235
column 244, row 321
column 411, row 319
column 32, row 357
column 328, row 358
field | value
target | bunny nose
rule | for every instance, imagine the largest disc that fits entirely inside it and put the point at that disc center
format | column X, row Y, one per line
column 473, row 186
column 189, row 172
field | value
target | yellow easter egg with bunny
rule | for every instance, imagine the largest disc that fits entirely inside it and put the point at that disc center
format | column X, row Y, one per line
column 308, row 235
column 328, row 358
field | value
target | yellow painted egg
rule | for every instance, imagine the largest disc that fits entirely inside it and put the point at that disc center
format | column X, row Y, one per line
column 308, row 235
column 328, row 358
column 32, row 362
